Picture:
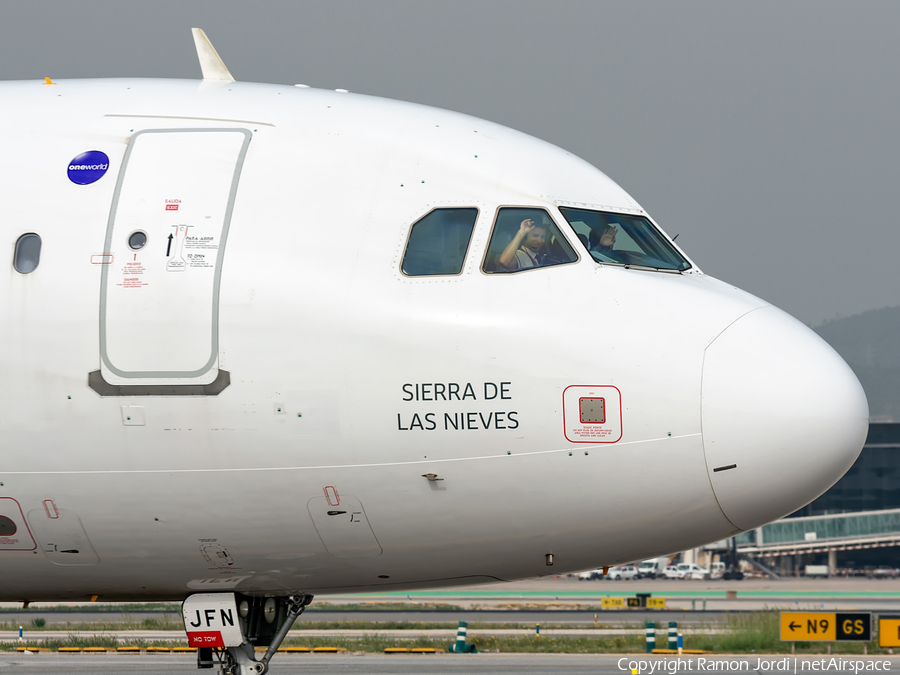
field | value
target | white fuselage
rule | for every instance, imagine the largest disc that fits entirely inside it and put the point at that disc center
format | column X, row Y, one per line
column 325, row 341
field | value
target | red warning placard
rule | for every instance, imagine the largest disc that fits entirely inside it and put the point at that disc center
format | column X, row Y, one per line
column 211, row 638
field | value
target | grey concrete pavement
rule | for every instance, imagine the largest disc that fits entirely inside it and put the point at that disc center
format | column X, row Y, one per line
column 448, row 664
column 449, row 634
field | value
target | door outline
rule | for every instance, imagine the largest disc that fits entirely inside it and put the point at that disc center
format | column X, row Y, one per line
column 226, row 224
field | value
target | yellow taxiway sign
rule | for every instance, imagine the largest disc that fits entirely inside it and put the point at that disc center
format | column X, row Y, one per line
column 889, row 631
column 825, row 626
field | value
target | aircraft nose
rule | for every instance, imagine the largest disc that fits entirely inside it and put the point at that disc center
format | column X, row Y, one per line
column 783, row 417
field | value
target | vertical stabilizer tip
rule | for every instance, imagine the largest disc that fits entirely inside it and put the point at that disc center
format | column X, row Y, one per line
column 211, row 65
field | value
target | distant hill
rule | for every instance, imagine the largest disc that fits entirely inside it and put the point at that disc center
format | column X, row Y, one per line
column 870, row 344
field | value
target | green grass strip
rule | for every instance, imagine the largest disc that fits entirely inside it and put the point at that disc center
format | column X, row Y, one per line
column 618, row 593
column 738, row 634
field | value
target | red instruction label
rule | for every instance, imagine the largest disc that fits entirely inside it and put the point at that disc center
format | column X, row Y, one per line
column 212, row 638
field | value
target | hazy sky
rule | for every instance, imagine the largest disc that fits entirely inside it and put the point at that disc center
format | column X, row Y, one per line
column 766, row 134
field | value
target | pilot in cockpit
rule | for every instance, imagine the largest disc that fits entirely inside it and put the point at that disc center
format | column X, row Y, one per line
column 602, row 242
column 524, row 250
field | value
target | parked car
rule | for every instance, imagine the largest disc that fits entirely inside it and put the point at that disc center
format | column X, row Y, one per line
column 623, row 572
column 692, row 571
column 672, row 572
column 882, row 572
column 590, row 574
column 652, row 568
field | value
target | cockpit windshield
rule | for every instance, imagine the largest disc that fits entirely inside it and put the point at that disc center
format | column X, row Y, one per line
column 619, row 239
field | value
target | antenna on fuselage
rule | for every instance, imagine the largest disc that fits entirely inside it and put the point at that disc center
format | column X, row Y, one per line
column 211, row 65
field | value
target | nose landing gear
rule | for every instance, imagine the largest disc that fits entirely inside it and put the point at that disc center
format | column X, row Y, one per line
column 261, row 616
column 261, row 622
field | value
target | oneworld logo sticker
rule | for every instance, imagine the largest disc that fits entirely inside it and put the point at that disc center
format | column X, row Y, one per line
column 88, row 167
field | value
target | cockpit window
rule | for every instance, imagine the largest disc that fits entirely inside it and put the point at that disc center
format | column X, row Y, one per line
column 524, row 239
column 438, row 243
column 617, row 239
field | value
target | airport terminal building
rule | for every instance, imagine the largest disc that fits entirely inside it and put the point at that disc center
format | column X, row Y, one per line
column 853, row 528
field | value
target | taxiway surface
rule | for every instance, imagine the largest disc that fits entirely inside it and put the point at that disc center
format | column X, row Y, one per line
column 442, row 664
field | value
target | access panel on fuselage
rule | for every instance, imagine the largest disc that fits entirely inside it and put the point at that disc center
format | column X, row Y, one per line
column 163, row 255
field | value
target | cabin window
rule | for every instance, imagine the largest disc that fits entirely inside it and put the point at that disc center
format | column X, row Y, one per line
column 617, row 239
column 438, row 243
column 524, row 239
column 27, row 254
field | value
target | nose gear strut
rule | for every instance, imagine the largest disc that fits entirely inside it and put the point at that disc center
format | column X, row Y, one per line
column 264, row 622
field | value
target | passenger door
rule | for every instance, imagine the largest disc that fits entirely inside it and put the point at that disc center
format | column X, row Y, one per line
column 162, row 266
